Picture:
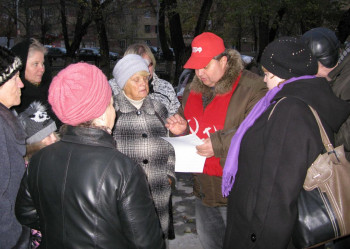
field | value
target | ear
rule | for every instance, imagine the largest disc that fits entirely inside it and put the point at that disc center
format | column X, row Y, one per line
column 101, row 120
column 103, row 117
column 223, row 61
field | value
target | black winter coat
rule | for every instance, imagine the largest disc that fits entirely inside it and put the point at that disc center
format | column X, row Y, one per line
column 274, row 157
column 82, row 193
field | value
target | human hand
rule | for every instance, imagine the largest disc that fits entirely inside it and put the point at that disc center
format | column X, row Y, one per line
column 205, row 149
column 176, row 124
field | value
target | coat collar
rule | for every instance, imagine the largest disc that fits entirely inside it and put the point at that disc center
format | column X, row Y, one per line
column 123, row 105
column 87, row 136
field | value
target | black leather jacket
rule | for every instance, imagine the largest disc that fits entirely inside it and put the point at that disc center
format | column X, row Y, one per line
column 82, row 193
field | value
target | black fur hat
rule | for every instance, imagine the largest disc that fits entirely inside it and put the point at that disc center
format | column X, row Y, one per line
column 9, row 65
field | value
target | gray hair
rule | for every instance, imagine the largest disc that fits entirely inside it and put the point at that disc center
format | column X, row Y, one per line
column 36, row 46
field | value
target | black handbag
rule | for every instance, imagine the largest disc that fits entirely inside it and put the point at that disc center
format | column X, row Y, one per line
column 324, row 202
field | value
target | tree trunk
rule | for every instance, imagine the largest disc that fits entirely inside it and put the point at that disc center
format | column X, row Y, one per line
column 344, row 27
column 42, row 26
column 203, row 17
column 27, row 17
column 168, row 55
column 182, row 53
column 80, row 30
column 276, row 23
column 263, row 35
column 104, row 63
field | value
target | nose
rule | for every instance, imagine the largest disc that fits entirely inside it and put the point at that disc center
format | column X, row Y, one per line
column 199, row 72
column 144, row 81
column 265, row 78
column 42, row 67
column 20, row 83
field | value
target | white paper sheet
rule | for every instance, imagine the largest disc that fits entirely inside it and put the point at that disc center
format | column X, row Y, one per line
column 186, row 157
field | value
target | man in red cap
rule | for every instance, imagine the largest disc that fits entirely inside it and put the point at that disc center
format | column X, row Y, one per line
column 215, row 103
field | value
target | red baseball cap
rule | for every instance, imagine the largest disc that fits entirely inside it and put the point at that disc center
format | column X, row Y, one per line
column 204, row 48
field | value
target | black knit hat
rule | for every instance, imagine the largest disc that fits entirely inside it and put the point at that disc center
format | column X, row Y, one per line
column 324, row 45
column 289, row 57
column 9, row 65
column 36, row 122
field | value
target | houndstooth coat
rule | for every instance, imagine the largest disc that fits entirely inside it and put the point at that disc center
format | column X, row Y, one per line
column 137, row 134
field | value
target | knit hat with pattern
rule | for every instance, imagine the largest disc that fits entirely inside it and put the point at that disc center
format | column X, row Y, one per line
column 36, row 122
column 9, row 65
column 288, row 57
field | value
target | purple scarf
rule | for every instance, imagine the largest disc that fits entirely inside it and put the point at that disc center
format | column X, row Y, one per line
column 231, row 165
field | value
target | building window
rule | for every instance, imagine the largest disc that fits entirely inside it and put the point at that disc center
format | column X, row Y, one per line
column 147, row 14
column 156, row 29
column 148, row 42
column 35, row 13
column 48, row 12
column 147, row 28
column 134, row 19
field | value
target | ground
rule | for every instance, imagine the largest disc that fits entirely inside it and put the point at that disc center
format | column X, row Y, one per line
column 184, row 216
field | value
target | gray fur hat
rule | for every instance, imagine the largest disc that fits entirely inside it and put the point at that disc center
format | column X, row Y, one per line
column 36, row 122
column 127, row 67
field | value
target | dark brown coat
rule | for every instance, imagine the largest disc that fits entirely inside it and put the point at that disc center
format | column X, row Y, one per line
column 249, row 91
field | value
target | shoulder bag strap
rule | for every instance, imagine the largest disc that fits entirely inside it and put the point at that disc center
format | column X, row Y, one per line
column 325, row 140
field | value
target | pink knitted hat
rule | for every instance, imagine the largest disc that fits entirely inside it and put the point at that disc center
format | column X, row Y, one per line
column 79, row 93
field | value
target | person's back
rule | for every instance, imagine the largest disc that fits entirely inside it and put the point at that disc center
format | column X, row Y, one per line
column 91, row 195
column 325, row 46
column 81, row 192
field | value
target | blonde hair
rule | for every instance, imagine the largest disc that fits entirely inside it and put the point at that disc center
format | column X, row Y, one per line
column 36, row 46
column 141, row 49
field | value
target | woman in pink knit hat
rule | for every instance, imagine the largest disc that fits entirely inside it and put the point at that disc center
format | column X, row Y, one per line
column 81, row 192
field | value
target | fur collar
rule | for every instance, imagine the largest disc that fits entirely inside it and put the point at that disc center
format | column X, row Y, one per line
column 224, row 85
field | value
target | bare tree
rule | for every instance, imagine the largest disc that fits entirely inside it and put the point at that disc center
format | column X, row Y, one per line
column 99, row 19
column 87, row 12
column 344, row 26
column 8, row 19
column 83, row 20
column 182, row 53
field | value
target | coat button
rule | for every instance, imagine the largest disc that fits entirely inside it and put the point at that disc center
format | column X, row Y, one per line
column 138, row 112
column 144, row 135
column 253, row 237
column 145, row 161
